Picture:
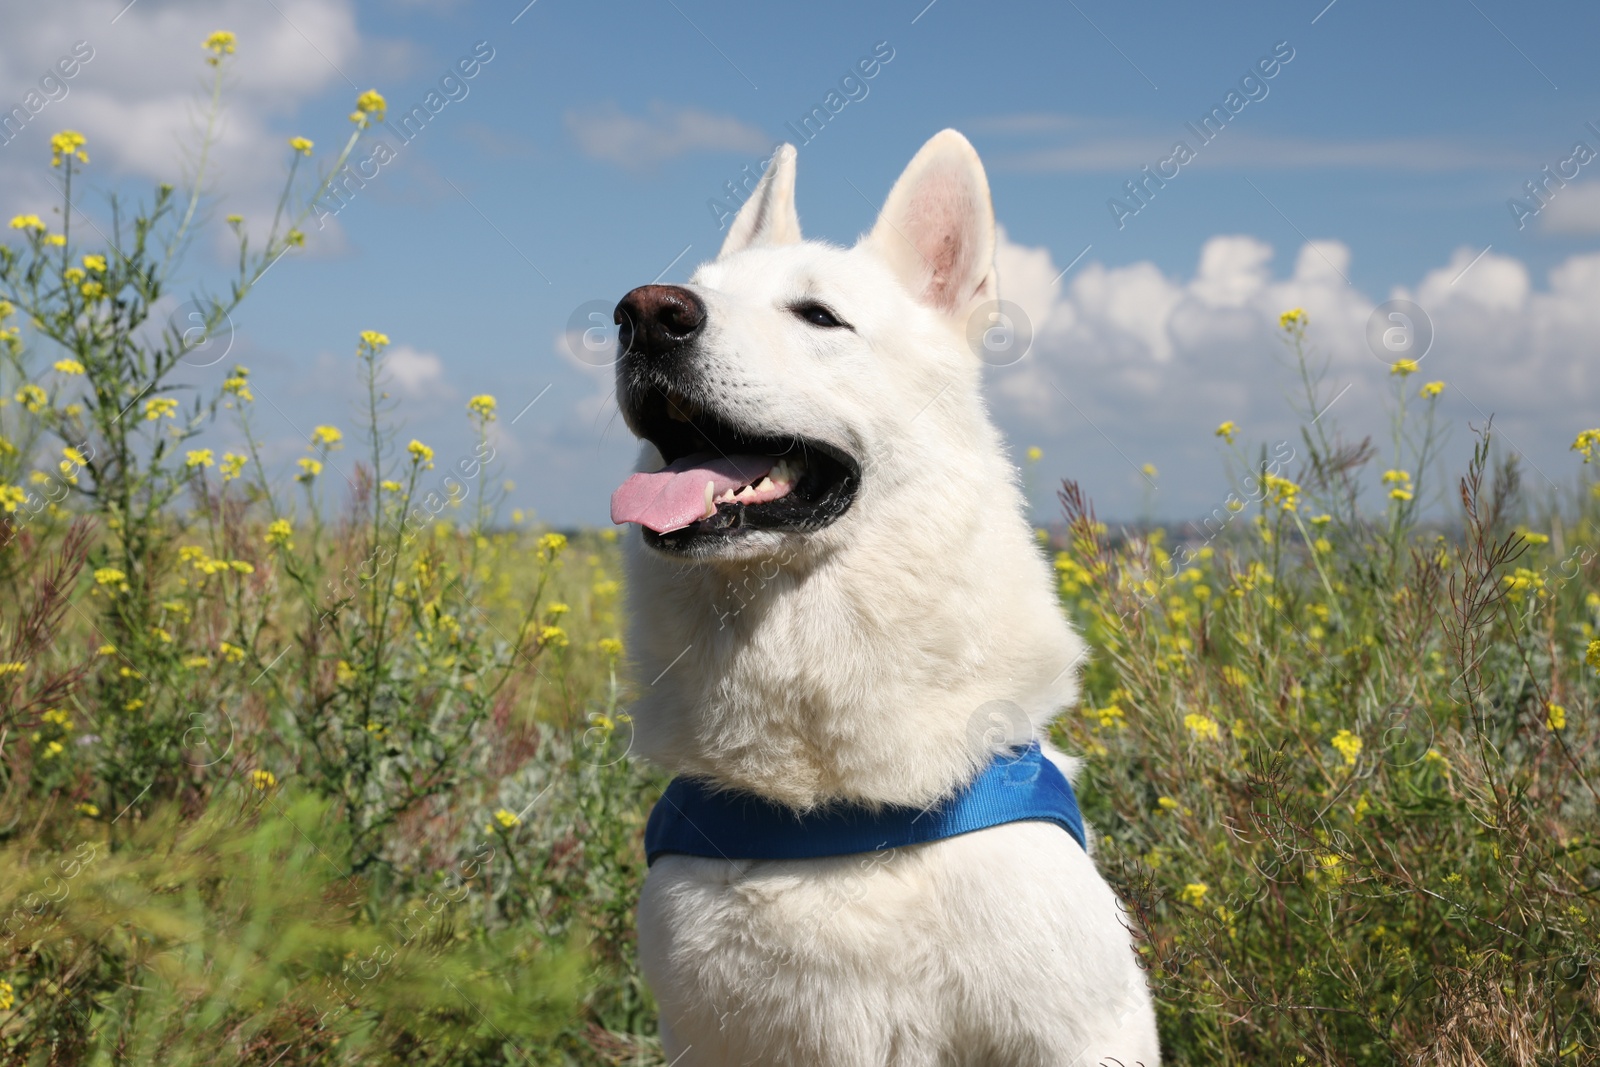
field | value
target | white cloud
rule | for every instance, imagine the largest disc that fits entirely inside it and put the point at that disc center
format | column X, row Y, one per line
column 413, row 372
column 1152, row 362
column 1574, row 210
column 607, row 133
column 140, row 99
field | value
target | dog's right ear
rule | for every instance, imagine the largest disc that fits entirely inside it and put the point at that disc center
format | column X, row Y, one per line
column 768, row 217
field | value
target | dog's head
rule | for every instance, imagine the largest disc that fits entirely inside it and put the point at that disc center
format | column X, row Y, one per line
column 793, row 387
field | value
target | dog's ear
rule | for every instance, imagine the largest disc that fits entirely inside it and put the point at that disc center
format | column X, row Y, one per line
column 768, row 217
column 937, row 227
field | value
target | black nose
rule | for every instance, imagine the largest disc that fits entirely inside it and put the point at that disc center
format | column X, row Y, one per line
column 654, row 319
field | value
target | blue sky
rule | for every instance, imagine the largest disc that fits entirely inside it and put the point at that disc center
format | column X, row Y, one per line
column 582, row 159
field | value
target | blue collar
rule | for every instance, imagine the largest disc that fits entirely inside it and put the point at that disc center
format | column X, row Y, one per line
column 693, row 819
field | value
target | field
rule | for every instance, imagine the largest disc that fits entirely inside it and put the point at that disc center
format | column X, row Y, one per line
column 297, row 770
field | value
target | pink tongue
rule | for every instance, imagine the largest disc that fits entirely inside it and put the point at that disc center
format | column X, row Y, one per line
column 675, row 496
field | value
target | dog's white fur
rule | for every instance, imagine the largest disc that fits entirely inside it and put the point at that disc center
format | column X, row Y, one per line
column 862, row 662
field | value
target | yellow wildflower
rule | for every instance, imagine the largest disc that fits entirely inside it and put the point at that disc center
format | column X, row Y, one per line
column 232, row 464
column 1586, row 442
column 87, row 809
column 230, row 652
column 96, row 263
column 374, row 340
column 609, row 646
column 278, row 533
column 295, row 238
column 553, row 635
column 1592, row 657
column 27, row 222
column 69, row 366
column 1284, row 492
column 505, row 818
column 370, row 107
column 1431, row 390
column 1110, row 717
column 160, row 407
column 1400, row 483
column 68, row 144
column 301, row 145
column 263, row 780
column 328, row 437
column 111, row 576
column 1555, row 717
column 1228, row 429
column 1194, row 893
column 107, row 650
column 1203, row 727
column 239, row 383
column 420, row 454
column 389, row 485
column 198, row 457
column 219, row 44
column 309, row 469
column 482, row 406
column 551, row 545
column 55, row 240
column 1404, row 367
column 33, row 398
column 1292, row 318
column 1348, row 746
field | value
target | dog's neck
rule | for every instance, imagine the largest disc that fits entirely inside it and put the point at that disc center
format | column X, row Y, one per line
column 878, row 672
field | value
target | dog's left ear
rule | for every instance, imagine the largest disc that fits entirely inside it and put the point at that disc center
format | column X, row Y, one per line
column 937, row 227
column 768, row 217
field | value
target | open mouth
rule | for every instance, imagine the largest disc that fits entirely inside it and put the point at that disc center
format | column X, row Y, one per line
column 721, row 481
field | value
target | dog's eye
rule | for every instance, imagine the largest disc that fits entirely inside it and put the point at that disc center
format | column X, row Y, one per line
column 817, row 315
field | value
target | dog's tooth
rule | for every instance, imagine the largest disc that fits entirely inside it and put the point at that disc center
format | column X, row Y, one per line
column 764, row 485
column 711, row 504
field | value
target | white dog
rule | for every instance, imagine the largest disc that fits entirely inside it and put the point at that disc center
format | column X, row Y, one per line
column 836, row 598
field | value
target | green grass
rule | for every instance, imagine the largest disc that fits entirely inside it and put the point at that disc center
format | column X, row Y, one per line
column 294, row 771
